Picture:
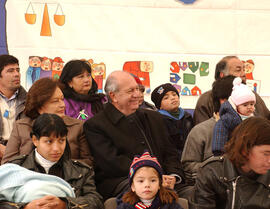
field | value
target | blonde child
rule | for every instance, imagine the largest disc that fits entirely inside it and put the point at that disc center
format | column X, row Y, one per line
column 240, row 106
column 146, row 190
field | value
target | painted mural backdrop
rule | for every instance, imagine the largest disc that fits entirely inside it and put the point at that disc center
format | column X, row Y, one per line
column 159, row 41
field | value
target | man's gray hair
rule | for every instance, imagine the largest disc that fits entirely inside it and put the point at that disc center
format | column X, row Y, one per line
column 111, row 85
column 222, row 66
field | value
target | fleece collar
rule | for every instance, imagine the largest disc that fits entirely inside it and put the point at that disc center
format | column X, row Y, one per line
column 181, row 115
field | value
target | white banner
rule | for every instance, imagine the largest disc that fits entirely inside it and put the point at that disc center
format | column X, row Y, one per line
column 181, row 43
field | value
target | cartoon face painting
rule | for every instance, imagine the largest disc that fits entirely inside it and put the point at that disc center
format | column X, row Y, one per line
column 249, row 66
column 34, row 61
column 33, row 71
column 57, row 67
column 46, row 64
column 146, row 66
column 57, row 64
column 98, row 73
column 98, row 69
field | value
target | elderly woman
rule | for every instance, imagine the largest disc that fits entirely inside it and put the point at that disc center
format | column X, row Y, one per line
column 241, row 178
column 74, row 189
column 81, row 98
column 45, row 96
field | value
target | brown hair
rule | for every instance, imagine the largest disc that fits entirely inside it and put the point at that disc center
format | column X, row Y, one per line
column 166, row 195
column 253, row 131
column 5, row 60
column 39, row 93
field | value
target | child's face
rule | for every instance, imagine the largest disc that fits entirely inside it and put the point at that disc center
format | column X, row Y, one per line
column 51, row 148
column 170, row 102
column 247, row 108
column 145, row 183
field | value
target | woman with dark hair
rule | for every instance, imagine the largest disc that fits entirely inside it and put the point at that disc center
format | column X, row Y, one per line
column 45, row 96
column 80, row 91
column 50, row 156
column 240, row 178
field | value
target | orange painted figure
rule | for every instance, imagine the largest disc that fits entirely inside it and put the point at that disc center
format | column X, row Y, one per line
column 141, row 69
column 57, row 67
column 98, row 73
column 249, row 68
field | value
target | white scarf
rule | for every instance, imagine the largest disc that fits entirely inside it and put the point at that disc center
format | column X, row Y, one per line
column 46, row 164
column 147, row 202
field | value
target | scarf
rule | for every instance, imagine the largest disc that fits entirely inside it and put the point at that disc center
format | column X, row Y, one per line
column 154, row 205
column 176, row 116
column 92, row 97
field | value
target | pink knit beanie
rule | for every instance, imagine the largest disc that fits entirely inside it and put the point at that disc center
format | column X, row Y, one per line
column 241, row 93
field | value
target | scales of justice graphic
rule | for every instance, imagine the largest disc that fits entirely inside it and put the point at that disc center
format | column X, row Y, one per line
column 59, row 19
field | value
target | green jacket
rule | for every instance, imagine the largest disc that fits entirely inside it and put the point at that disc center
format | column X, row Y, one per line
column 220, row 186
column 79, row 175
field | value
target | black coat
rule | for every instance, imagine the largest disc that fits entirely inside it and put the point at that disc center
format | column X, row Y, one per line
column 179, row 130
column 114, row 139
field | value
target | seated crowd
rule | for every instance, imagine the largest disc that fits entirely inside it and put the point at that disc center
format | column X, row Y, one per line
column 68, row 146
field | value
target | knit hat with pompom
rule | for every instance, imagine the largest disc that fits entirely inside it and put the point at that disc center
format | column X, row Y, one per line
column 241, row 93
column 141, row 161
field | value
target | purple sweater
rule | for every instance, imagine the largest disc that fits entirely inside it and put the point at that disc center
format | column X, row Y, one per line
column 79, row 110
